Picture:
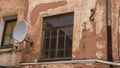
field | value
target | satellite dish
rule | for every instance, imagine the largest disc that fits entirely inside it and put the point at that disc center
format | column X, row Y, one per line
column 20, row 31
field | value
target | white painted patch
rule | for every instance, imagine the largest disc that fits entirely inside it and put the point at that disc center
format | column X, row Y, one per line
column 99, row 54
column 89, row 64
column 9, row 59
column 100, row 45
column 99, row 20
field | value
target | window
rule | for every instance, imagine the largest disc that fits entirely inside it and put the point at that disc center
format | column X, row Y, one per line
column 7, row 40
column 58, row 32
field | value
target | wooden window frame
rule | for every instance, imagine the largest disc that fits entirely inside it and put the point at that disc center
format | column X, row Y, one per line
column 2, row 27
column 58, row 29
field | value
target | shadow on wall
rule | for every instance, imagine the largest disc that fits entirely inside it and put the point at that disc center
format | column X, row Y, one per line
column 7, row 67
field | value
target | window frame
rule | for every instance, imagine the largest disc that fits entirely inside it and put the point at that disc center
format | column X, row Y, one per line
column 65, row 26
column 2, row 27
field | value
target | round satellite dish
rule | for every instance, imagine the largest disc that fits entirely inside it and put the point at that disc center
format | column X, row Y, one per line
column 20, row 31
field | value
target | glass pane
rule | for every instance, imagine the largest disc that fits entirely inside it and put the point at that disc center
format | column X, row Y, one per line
column 61, row 43
column 53, row 43
column 62, row 32
column 54, row 33
column 69, row 31
column 65, row 20
column 51, row 22
column 6, row 40
column 13, row 25
column 52, row 54
column 8, row 28
column 46, row 44
column 11, row 41
column 68, row 53
column 46, row 54
column 68, row 42
column 47, row 33
column 60, row 53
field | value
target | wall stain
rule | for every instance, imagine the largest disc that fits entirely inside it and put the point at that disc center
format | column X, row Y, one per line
column 40, row 8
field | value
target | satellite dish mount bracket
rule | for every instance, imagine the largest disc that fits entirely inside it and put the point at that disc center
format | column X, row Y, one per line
column 30, row 42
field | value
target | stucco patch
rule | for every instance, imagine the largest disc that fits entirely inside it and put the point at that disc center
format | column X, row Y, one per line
column 40, row 8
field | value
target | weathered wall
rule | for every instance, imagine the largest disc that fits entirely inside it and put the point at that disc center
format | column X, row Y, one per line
column 89, row 36
column 95, row 30
column 88, row 65
column 116, row 30
column 10, row 58
column 8, row 8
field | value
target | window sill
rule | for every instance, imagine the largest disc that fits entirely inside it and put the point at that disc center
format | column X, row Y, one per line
column 6, row 49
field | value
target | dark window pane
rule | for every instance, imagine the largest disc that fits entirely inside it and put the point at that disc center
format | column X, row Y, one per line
column 46, row 43
column 68, row 53
column 69, row 31
column 65, row 20
column 61, row 32
column 60, row 53
column 47, row 33
column 51, row 22
column 54, row 33
column 61, row 43
column 53, row 43
column 69, row 42
column 46, row 54
column 52, row 54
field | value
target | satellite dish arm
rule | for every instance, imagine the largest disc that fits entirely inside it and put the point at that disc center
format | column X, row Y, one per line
column 30, row 43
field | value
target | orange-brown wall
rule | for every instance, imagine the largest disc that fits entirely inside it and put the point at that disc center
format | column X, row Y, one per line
column 89, row 37
column 9, row 8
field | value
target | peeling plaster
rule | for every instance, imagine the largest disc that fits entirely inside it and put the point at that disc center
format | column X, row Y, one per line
column 39, row 8
column 99, row 54
column 100, row 45
column 92, row 45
